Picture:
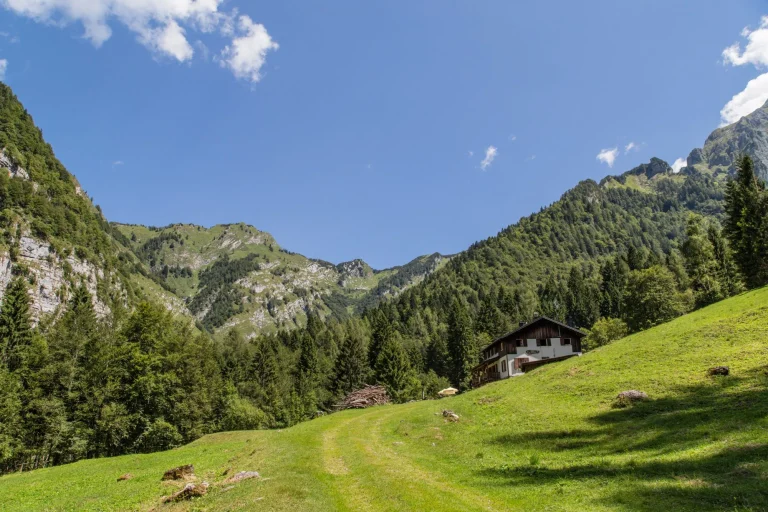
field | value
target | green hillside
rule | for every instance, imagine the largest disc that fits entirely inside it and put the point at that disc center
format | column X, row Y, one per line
column 549, row 440
column 234, row 275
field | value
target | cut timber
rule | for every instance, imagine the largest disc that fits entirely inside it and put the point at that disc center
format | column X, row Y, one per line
column 366, row 397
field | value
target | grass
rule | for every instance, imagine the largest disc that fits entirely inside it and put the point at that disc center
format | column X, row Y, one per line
column 549, row 440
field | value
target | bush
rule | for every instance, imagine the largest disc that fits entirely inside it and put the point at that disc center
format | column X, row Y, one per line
column 159, row 435
column 240, row 414
column 605, row 331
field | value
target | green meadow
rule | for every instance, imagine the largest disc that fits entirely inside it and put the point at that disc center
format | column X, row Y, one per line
column 549, row 440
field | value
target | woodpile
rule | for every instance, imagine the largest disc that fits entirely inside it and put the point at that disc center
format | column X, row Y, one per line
column 179, row 473
column 366, row 397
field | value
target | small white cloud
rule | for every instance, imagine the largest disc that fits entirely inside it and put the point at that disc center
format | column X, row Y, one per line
column 754, row 96
column 471, row 153
column 679, row 164
column 532, row 157
column 117, row 163
column 513, row 138
column 169, row 40
column 3, row 68
column 247, row 53
column 608, row 156
column 490, row 156
column 631, row 146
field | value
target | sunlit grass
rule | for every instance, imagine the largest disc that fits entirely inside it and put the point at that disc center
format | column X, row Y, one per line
column 547, row 441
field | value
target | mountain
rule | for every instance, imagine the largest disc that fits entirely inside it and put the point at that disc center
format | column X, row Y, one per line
column 746, row 136
column 549, row 440
column 237, row 276
column 51, row 232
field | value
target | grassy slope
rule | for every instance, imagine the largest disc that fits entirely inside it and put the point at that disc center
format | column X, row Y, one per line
column 545, row 441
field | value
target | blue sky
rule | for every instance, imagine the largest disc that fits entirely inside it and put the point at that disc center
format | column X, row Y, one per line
column 359, row 129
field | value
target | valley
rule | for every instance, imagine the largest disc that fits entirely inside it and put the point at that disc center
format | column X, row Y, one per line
column 698, row 443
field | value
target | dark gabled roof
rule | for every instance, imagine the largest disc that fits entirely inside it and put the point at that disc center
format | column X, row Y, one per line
column 537, row 319
column 487, row 362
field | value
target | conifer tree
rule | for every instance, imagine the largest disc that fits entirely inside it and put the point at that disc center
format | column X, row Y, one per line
column 15, row 324
column 461, row 345
column 393, row 369
column 490, row 320
column 306, row 374
column 745, row 222
column 381, row 330
column 351, row 369
column 582, row 299
column 614, row 274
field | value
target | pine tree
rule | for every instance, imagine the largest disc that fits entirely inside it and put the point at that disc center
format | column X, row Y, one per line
column 351, row 369
column 745, row 222
column 381, row 330
column 15, row 324
column 490, row 320
column 393, row 369
column 614, row 274
column 306, row 374
column 71, row 336
column 552, row 299
column 461, row 346
column 582, row 299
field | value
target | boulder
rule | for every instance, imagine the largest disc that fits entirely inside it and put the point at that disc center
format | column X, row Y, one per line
column 627, row 398
column 243, row 475
column 450, row 416
column 187, row 493
column 180, row 472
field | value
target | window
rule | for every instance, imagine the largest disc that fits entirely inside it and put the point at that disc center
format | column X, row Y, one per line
column 519, row 343
column 544, row 343
column 504, row 366
column 565, row 341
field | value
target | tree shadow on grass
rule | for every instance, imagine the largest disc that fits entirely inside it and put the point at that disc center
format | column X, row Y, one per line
column 705, row 448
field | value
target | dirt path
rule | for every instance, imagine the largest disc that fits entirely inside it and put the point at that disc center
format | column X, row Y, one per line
column 362, row 464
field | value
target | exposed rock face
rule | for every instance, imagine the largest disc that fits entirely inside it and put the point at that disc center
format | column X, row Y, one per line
column 749, row 136
column 16, row 171
column 353, row 269
column 652, row 168
column 50, row 289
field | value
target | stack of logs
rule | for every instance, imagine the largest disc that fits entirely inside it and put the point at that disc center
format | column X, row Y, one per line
column 366, row 397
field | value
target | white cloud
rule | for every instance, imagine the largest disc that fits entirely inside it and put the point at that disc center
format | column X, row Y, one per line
column 471, row 153
column 3, row 68
column 608, row 156
column 755, row 94
column 160, row 25
column 117, row 163
column 513, row 138
column 247, row 53
column 629, row 147
column 679, row 164
column 747, row 101
column 756, row 50
column 490, row 156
